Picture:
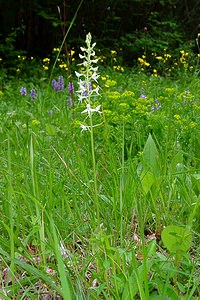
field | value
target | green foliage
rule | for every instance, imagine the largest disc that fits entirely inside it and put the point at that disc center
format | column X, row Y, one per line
column 150, row 165
column 146, row 168
column 177, row 239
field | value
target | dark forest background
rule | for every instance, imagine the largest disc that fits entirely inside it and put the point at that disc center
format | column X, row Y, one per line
column 34, row 27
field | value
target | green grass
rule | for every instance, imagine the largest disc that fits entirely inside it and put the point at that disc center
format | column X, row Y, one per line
column 63, row 236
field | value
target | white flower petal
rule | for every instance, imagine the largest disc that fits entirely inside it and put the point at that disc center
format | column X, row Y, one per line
column 83, row 49
column 81, row 56
column 78, row 74
column 84, row 128
column 97, row 109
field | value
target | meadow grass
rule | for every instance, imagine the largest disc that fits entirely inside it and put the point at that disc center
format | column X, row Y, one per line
column 82, row 220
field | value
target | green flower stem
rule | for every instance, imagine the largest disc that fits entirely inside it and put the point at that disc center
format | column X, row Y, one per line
column 94, row 172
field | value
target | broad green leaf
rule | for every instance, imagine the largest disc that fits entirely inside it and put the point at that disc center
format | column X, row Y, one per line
column 50, row 129
column 130, row 288
column 151, row 248
column 151, row 156
column 147, row 180
column 176, row 238
column 135, row 281
column 154, row 296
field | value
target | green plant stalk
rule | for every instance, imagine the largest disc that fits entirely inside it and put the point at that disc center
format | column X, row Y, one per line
column 67, row 294
column 122, row 184
column 156, row 211
column 11, row 216
column 108, row 254
column 144, row 265
column 144, row 254
column 94, row 172
column 36, row 196
column 139, row 281
column 193, row 213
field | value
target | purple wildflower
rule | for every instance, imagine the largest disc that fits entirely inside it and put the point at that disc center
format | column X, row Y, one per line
column 55, row 85
column 51, row 112
column 58, row 85
column 53, row 82
column 143, row 96
column 23, row 91
column 69, row 101
column 70, row 87
column 33, row 94
column 156, row 106
column 61, row 83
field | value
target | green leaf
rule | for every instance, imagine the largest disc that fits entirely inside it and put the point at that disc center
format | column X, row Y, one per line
column 154, row 296
column 65, row 282
column 130, row 288
column 147, row 180
column 50, row 129
column 151, row 156
column 149, row 169
column 176, row 238
column 151, row 248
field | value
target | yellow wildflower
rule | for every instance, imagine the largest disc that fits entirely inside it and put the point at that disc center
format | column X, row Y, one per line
column 110, row 83
column 47, row 60
column 35, row 122
column 62, row 66
column 177, row 117
column 114, row 95
column 123, row 106
column 127, row 94
column 192, row 124
column 159, row 57
column 113, row 52
column 72, row 52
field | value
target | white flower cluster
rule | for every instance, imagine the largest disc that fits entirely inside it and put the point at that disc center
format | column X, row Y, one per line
column 87, row 78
